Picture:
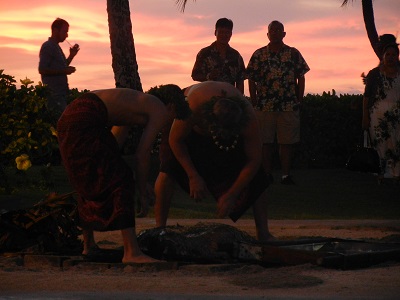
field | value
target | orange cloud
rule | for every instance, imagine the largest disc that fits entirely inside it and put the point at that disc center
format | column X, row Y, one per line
column 332, row 40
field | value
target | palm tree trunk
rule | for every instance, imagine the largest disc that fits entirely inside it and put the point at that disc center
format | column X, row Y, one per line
column 369, row 21
column 123, row 53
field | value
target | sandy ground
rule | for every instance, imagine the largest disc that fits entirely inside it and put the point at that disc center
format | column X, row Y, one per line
column 305, row 281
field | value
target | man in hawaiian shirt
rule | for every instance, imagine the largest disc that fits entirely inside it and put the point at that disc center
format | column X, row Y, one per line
column 276, row 85
column 219, row 61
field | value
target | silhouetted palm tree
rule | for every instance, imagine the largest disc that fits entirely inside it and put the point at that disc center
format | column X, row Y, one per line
column 123, row 53
column 369, row 21
column 182, row 3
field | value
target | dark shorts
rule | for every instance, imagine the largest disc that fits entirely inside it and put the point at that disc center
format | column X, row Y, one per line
column 217, row 167
column 96, row 170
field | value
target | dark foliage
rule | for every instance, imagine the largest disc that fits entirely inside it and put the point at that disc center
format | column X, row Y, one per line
column 330, row 130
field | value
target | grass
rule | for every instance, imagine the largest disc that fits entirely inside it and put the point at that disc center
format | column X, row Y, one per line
column 335, row 194
column 318, row 194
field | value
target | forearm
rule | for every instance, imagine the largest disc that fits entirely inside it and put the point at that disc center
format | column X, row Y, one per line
column 365, row 106
column 53, row 72
column 197, row 72
column 240, row 86
column 245, row 176
column 253, row 154
column 253, row 92
column 301, row 84
column 69, row 59
column 182, row 155
column 73, row 51
column 365, row 113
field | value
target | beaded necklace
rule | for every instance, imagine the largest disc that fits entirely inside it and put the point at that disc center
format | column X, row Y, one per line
column 223, row 146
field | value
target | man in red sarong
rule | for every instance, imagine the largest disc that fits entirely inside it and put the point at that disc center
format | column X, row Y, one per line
column 216, row 151
column 90, row 133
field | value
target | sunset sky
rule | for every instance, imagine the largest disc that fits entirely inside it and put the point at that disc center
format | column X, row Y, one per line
column 332, row 39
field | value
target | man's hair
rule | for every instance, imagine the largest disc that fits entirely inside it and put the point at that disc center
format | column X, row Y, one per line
column 58, row 23
column 227, row 113
column 225, row 116
column 224, row 23
column 171, row 93
column 278, row 23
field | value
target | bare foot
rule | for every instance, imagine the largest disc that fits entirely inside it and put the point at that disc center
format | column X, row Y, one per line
column 143, row 213
column 267, row 238
column 92, row 248
column 140, row 259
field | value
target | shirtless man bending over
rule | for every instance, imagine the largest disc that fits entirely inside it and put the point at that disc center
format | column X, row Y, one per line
column 216, row 151
column 90, row 133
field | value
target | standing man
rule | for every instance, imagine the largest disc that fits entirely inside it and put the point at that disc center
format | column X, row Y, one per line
column 54, row 66
column 217, row 152
column 219, row 61
column 276, row 85
column 92, row 158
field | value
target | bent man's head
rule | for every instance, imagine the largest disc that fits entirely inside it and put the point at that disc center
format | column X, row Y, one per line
column 172, row 94
column 225, row 117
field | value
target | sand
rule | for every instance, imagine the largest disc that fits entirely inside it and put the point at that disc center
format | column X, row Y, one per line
column 247, row 281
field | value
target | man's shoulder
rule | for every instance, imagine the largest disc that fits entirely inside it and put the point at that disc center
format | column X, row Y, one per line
column 208, row 48
column 260, row 51
column 48, row 46
column 263, row 48
column 291, row 49
column 233, row 50
column 49, row 43
column 129, row 99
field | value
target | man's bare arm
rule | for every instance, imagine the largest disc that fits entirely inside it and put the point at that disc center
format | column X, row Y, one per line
column 253, row 92
column 156, row 120
column 301, row 82
column 179, row 131
column 253, row 152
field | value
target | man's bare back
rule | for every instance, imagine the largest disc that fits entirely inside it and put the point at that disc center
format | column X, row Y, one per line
column 201, row 93
column 131, row 107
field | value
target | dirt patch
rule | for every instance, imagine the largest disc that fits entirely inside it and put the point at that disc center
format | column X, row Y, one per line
column 245, row 281
column 278, row 278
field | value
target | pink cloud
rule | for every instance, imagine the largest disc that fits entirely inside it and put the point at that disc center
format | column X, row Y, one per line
column 332, row 40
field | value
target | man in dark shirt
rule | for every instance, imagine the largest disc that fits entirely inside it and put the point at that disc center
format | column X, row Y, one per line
column 219, row 61
column 54, row 66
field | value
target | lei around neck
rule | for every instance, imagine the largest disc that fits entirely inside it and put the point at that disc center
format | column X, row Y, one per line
column 210, row 122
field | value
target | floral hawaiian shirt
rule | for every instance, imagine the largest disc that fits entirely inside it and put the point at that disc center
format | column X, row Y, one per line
column 275, row 75
column 232, row 67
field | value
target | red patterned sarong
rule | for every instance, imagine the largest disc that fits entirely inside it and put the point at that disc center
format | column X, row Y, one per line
column 218, row 168
column 95, row 167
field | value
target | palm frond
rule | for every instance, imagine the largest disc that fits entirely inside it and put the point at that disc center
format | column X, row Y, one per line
column 182, row 4
column 345, row 2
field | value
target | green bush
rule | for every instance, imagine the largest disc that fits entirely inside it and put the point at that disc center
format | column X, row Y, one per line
column 24, row 121
column 330, row 129
column 330, row 126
